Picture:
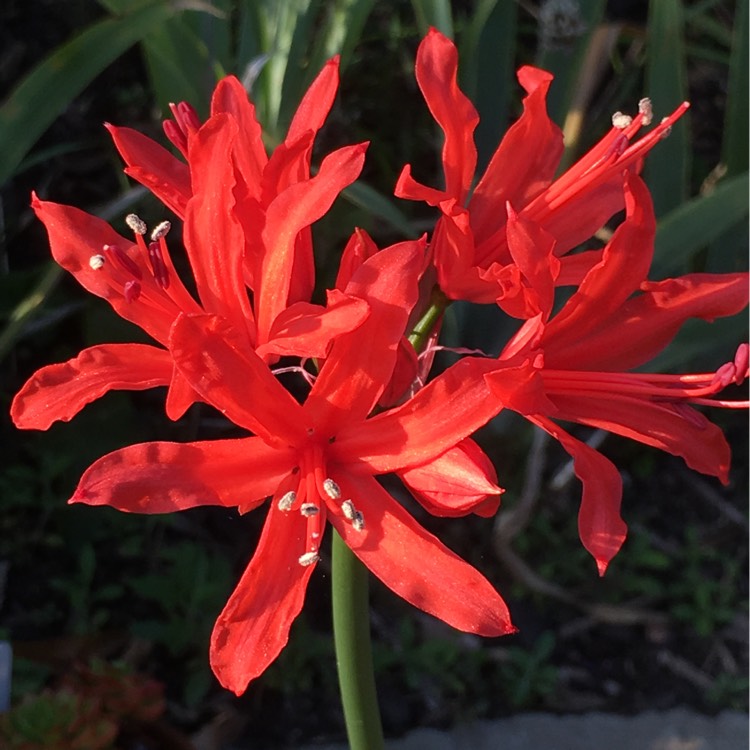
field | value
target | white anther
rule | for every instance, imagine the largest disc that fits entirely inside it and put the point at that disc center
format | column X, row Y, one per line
column 358, row 521
column 309, row 509
column 645, row 109
column 348, row 509
column 331, row 489
column 666, row 131
column 136, row 223
column 287, row 500
column 308, row 559
column 161, row 230
column 96, row 262
column 620, row 120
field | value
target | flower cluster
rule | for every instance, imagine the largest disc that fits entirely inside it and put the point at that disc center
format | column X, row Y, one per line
column 503, row 238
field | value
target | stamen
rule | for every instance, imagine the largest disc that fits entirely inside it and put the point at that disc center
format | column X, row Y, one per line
column 667, row 131
column 309, row 509
column 122, row 259
column 358, row 521
column 161, row 230
column 96, row 262
column 308, row 559
column 348, row 509
column 331, row 489
column 286, row 501
column 158, row 266
column 621, row 120
column 136, row 224
column 645, row 110
column 132, row 290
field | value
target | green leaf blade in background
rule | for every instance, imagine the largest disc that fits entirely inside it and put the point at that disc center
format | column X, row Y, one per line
column 46, row 91
column 668, row 165
column 695, row 224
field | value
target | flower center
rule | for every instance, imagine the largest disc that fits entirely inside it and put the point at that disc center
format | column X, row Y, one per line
column 308, row 490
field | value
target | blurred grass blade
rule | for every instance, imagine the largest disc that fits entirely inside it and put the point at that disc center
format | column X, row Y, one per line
column 45, row 92
column 340, row 32
column 698, row 222
column 668, row 165
column 435, row 13
column 736, row 126
column 564, row 57
column 487, row 52
column 362, row 195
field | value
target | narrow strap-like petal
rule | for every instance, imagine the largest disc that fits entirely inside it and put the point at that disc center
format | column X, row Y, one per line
column 165, row 477
column 645, row 324
column 306, row 330
column 249, row 152
column 254, row 626
column 600, row 526
column 77, row 237
column 361, row 363
column 624, row 265
column 416, row 565
column 213, row 236
column 462, row 480
column 679, row 430
column 437, row 69
column 153, row 166
column 317, row 101
column 58, row 392
column 294, row 209
column 524, row 162
column 238, row 383
column 447, row 410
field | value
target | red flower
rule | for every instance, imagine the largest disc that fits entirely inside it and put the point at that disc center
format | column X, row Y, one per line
column 318, row 461
column 584, row 354
column 472, row 251
column 247, row 222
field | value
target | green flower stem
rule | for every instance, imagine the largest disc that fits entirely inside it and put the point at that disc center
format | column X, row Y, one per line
column 430, row 318
column 351, row 635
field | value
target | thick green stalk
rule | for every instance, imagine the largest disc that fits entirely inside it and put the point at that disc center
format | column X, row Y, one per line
column 351, row 634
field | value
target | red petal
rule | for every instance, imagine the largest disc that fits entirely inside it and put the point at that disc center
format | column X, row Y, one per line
column 317, row 102
column 361, row 363
column 436, row 68
column 254, row 626
column 456, row 483
column 416, row 565
column 644, row 325
column 238, row 383
column 440, row 415
column 525, row 161
column 680, row 431
column 250, row 155
column 213, row 237
column 166, row 477
column 358, row 249
column 154, row 167
column 75, row 237
column 624, row 265
column 297, row 207
column 407, row 187
column 305, row 330
column 60, row 391
column 531, row 250
column 600, row 526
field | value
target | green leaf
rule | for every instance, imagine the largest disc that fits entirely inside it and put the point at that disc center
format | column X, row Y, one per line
column 362, row 195
column 45, row 92
column 668, row 165
column 487, row 53
column 435, row 13
column 695, row 224
column 735, row 146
